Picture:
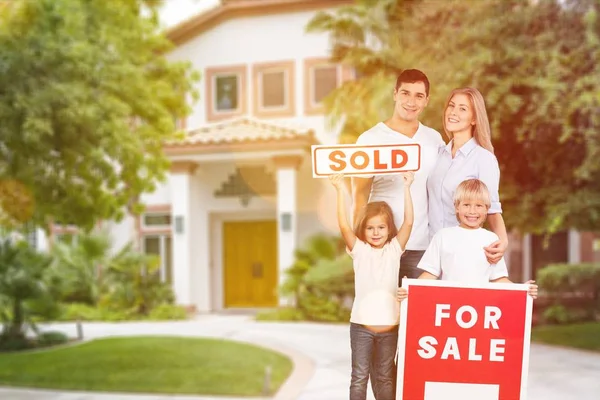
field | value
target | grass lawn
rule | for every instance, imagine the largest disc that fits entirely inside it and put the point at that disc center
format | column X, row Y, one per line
column 149, row 365
column 582, row 336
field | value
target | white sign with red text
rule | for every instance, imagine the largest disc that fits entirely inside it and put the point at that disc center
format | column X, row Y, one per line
column 463, row 342
column 351, row 159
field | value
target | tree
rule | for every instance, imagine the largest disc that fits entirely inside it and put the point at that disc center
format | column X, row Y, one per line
column 536, row 63
column 87, row 99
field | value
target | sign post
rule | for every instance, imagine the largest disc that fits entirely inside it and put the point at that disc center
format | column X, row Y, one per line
column 350, row 159
column 459, row 341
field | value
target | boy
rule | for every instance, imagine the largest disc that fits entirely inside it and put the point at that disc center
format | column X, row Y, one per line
column 454, row 253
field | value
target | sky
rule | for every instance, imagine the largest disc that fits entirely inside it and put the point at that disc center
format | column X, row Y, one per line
column 176, row 11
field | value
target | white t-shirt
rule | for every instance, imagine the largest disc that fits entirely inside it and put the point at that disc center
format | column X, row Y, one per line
column 456, row 254
column 390, row 188
column 375, row 283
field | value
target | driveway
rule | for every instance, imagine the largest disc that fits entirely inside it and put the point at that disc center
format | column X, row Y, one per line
column 321, row 353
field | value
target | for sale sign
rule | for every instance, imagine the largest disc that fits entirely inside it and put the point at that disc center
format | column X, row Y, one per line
column 359, row 160
column 463, row 342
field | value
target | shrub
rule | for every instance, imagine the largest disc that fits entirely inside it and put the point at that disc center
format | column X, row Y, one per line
column 51, row 338
column 281, row 314
column 167, row 312
column 572, row 292
column 83, row 312
column 14, row 343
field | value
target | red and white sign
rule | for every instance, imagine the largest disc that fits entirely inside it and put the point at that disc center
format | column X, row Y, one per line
column 351, row 159
column 463, row 342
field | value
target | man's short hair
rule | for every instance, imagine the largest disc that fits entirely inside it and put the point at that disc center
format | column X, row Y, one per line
column 472, row 189
column 413, row 76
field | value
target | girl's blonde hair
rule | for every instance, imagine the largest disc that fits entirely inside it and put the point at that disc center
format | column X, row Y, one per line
column 481, row 130
column 472, row 189
column 371, row 210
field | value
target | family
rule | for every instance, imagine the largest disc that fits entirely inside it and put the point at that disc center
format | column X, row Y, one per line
column 426, row 225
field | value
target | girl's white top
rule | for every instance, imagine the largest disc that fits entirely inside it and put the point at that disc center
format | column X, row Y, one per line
column 375, row 283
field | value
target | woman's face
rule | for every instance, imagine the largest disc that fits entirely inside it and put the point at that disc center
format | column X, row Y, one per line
column 459, row 116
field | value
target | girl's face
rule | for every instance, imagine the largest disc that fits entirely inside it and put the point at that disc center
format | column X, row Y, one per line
column 377, row 231
column 459, row 116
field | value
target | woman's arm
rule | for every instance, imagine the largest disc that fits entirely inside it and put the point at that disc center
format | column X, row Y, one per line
column 495, row 251
column 345, row 229
column 489, row 173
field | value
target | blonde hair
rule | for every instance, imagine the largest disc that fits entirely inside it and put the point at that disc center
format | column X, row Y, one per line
column 371, row 210
column 472, row 189
column 481, row 131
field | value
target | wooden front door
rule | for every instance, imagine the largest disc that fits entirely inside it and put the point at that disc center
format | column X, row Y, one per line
column 250, row 263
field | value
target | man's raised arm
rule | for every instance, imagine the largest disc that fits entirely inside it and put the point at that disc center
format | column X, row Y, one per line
column 361, row 189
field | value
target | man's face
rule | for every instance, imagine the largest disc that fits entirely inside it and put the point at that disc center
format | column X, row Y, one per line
column 410, row 100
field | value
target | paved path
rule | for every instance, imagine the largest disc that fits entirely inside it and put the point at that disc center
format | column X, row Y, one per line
column 322, row 356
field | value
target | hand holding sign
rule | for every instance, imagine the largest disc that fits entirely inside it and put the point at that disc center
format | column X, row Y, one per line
column 365, row 160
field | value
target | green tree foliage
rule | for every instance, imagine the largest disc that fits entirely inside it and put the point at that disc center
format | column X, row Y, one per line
column 87, row 99
column 537, row 65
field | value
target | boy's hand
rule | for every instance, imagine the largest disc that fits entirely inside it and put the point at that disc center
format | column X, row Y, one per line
column 408, row 177
column 533, row 289
column 401, row 294
column 337, row 180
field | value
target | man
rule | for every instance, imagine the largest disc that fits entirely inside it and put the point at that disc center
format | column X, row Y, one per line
column 411, row 95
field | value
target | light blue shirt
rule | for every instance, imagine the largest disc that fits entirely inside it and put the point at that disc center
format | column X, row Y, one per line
column 471, row 161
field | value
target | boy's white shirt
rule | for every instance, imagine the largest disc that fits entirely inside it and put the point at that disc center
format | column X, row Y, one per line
column 456, row 254
column 375, row 283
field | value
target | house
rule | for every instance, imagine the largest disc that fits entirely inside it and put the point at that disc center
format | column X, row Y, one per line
column 240, row 197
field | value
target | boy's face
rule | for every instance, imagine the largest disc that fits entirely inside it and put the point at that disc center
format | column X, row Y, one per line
column 471, row 213
column 377, row 231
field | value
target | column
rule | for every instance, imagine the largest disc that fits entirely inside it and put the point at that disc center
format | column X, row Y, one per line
column 286, row 214
column 574, row 247
column 181, row 214
column 201, row 234
column 527, row 262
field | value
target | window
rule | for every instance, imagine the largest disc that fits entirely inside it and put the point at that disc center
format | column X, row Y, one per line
column 274, row 89
column 324, row 81
column 225, row 92
column 67, row 238
column 161, row 246
column 321, row 77
column 162, row 219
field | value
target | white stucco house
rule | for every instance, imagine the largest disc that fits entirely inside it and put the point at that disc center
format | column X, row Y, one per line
column 240, row 197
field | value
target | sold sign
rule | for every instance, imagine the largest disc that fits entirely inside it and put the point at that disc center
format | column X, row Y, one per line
column 351, row 159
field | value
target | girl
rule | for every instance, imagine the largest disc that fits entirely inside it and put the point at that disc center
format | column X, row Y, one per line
column 375, row 246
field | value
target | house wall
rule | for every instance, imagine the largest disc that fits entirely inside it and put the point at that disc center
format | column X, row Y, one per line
column 253, row 40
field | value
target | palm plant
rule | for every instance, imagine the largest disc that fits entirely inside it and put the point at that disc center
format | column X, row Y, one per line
column 78, row 267
column 317, row 248
column 24, row 290
column 133, row 282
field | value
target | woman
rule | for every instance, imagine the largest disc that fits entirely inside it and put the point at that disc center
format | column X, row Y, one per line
column 469, row 154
